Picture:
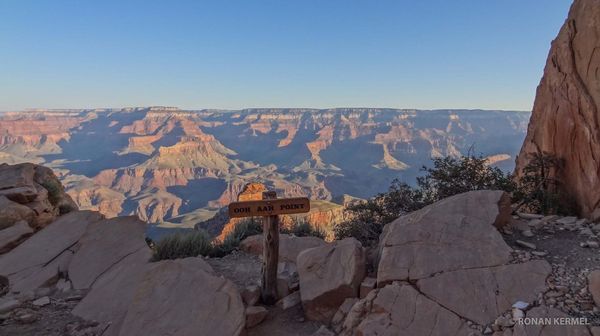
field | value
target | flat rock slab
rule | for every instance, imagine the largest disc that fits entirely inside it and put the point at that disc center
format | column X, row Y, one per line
column 111, row 294
column 482, row 294
column 48, row 243
column 103, row 245
column 455, row 233
column 400, row 310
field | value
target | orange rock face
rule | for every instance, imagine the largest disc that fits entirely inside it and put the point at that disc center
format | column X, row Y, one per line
column 565, row 120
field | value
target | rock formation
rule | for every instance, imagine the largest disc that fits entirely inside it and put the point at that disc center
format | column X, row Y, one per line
column 177, row 167
column 566, row 112
column 329, row 275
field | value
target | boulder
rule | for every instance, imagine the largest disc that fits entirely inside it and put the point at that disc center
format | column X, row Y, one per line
column 182, row 295
column 38, row 192
column 104, row 244
column 400, row 310
column 16, row 182
column 12, row 236
column 13, row 212
column 455, row 233
column 37, row 259
column 594, row 286
column 481, row 294
column 255, row 315
column 328, row 275
column 289, row 246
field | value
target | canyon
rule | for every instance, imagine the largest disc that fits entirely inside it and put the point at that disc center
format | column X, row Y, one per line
column 177, row 168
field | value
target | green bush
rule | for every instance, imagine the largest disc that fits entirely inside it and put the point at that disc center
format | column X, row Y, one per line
column 302, row 228
column 199, row 243
column 538, row 191
column 54, row 189
column 248, row 227
column 183, row 245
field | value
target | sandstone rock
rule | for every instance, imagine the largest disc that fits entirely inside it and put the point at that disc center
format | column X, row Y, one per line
column 38, row 259
column 12, row 213
column 401, row 311
column 366, row 286
column 104, row 244
column 287, row 276
column 43, row 301
column 16, row 182
column 181, row 295
column 594, row 286
column 290, row 301
column 289, row 246
column 339, row 317
column 529, row 215
column 452, row 234
column 251, row 295
column 565, row 120
column 329, row 275
column 255, row 315
column 526, row 244
column 482, row 294
column 12, row 236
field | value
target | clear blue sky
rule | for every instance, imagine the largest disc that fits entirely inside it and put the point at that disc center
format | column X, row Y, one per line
column 279, row 53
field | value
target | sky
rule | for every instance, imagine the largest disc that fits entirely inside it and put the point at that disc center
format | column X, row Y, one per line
column 232, row 54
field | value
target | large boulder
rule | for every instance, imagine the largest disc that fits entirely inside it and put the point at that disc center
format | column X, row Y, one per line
column 103, row 245
column 40, row 258
column 182, row 296
column 400, row 310
column 456, row 233
column 136, row 297
column 328, row 275
column 566, row 112
column 482, row 294
column 289, row 246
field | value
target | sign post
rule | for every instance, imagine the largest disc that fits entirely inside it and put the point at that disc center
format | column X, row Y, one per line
column 269, row 208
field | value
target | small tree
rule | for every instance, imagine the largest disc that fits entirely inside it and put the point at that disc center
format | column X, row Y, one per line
column 537, row 188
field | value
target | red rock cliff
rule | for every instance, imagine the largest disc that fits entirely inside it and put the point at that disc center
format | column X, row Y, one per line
column 565, row 119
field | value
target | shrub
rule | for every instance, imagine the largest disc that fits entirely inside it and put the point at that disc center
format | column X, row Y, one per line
column 54, row 189
column 243, row 229
column 537, row 189
column 302, row 228
column 183, row 245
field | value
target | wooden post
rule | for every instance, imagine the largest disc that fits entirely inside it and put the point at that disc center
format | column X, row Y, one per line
column 270, row 254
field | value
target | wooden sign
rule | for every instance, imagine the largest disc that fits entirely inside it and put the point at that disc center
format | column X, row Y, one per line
column 269, row 207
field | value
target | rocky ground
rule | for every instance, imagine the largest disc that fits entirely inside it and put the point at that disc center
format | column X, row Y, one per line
column 570, row 245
